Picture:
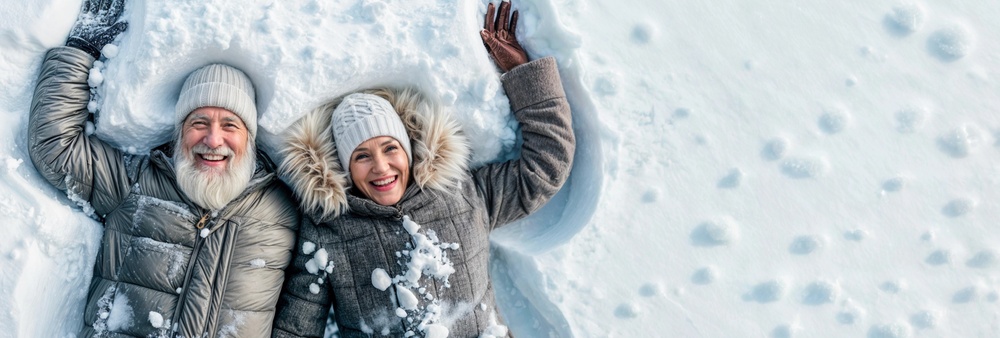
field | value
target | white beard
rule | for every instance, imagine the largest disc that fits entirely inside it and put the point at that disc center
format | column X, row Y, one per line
column 209, row 188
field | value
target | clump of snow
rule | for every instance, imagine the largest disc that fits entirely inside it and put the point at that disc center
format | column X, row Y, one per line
column 258, row 263
column 319, row 263
column 407, row 300
column 12, row 164
column 381, row 279
column 120, row 316
column 308, row 247
column 155, row 319
column 427, row 257
column 435, row 331
column 410, row 226
column 109, row 51
column 96, row 78
column 321, row 257
column 71, row 192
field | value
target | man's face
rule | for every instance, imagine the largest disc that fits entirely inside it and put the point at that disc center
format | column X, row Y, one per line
column 214, row 158
column 213, row 138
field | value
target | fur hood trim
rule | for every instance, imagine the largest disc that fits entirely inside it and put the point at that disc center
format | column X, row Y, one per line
column 311, row 166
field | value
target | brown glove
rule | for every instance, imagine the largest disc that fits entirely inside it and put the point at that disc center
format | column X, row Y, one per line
column 498, row 36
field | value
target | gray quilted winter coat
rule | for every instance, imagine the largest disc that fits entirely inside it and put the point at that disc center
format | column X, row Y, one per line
column 154, row 271
column 345, row 238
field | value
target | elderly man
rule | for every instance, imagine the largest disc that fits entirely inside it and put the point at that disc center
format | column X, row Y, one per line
column 199, row 231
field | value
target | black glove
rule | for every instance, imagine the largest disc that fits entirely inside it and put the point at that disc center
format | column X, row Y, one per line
column 97, row 25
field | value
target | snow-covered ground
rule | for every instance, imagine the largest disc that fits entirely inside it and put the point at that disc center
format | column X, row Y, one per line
column 757, row 168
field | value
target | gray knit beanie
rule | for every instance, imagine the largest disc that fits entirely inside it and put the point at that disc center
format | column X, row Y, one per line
column 360, row 117
column 222, row 86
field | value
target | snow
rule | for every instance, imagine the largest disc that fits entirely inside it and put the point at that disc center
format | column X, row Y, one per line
column 435, row 331
column 319, row 262
column 787, row 169
column 407, row 300
column 308, row 247
column 381, row 279
column 155, row 319
column 258, row 263
column 120, row 316
column 494, row 330
column 427, row 256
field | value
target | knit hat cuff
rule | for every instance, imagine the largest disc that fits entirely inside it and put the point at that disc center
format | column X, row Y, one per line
column 373, row 126
column 215, row 94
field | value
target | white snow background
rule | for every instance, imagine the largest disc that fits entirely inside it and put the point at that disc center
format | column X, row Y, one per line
column 754, row 168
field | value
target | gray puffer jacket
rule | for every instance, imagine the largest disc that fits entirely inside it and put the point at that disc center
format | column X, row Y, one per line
column 155, row 271
column 351, row 249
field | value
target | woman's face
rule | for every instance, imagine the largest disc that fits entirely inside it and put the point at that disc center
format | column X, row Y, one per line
column 380, row 169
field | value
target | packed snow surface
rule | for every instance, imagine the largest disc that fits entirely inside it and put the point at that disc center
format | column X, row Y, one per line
column 743, row 167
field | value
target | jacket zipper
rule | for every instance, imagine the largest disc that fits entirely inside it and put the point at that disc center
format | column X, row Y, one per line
column 198, row 245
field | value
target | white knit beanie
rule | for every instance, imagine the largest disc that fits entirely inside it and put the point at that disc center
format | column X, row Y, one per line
column 360, row 117
column 222, row 86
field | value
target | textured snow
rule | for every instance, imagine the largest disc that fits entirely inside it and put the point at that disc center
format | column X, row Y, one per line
column 804, row 169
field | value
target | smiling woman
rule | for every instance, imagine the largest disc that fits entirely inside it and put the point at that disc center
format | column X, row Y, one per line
column 379, row 165
column 380, row 170
column 412, row 212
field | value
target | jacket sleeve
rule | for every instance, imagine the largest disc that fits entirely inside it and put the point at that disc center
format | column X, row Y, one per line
column 300, row 312
column 83, row 166
column 516, row 188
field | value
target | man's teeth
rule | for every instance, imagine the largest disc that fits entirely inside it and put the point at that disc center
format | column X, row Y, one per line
column 211, row 157
column 384, row 182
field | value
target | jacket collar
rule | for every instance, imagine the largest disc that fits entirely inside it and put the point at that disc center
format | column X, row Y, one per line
column 312, row 169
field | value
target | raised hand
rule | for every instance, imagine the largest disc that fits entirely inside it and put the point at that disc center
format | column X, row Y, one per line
column 97, row 25
column 498, row 36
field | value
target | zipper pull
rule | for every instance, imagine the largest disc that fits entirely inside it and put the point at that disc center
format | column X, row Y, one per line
column 202, row 221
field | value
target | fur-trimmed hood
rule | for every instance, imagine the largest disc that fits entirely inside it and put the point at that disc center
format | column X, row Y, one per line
column 312, row 169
